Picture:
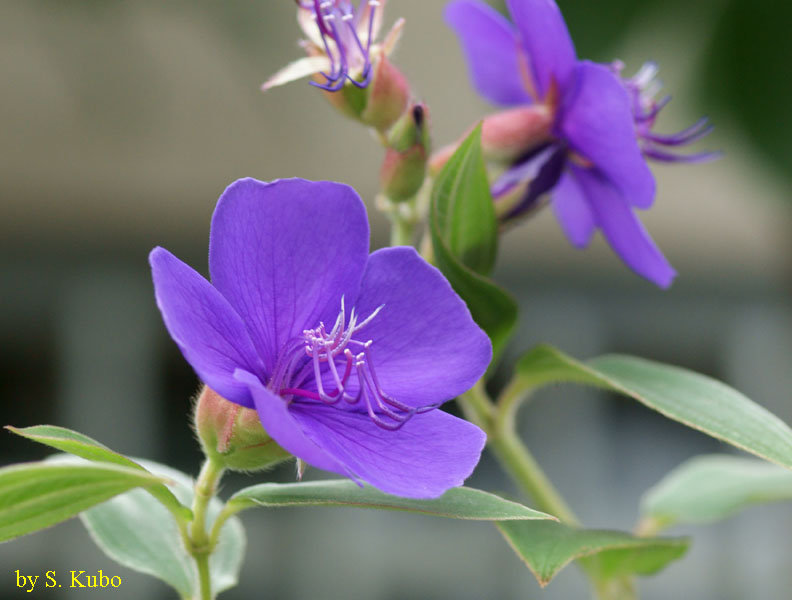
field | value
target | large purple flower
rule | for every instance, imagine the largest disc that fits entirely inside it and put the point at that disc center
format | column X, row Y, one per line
column 344, row 355
column 591, row 158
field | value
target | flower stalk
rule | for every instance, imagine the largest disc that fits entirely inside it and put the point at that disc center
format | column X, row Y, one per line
column 498, row 422
column 514, row 457
column 201, row 545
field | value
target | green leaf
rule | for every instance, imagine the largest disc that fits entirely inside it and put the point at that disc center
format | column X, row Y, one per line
column 456, row 503
column 712, row 487
column 85, row 447
column 138, row 532
column 464, row 239
column 463, row 210
column 548, row 547
column 34, row 496
column 694, row 400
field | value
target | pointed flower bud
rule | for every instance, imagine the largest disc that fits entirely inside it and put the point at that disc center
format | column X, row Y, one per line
column 506, row 136
column 233, row 435
column 388, row 96
column 404, row 169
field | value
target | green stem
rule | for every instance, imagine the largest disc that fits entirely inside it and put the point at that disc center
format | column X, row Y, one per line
column 499, row 424
column 204, row 577
column 514, row 456
column 201, row 545
column 225, row 514
column 402, row 229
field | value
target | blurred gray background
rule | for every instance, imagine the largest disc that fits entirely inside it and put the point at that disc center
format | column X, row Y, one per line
column 121, row 123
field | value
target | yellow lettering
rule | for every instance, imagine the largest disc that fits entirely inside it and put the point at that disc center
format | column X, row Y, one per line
column 75, row 580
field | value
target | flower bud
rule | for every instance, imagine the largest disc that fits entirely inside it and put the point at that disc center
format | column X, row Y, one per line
column 232, row 434
column 404, row 169
column 350, row 100
column 505, row 135
column 388, row 96
column 509, row 134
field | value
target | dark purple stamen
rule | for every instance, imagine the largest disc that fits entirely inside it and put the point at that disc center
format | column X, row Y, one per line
column 686, row 136
column 643, row 87
column 548, row 165
column 323, row 349
column 669, row 157
column 335, row 20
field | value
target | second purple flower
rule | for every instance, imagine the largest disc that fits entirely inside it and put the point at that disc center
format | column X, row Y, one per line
column 590, row 156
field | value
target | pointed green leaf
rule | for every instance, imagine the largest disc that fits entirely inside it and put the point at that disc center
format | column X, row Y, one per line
column 456, row 503
column 715, row 486
column 694, row 400
column 85, row 447
column 547, row 547
column 138, row 532
column 463, row 213
column 34, row 496
column 464, row 239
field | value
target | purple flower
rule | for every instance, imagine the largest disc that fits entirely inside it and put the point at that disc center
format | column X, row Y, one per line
column 592, row 158
column 340, row 43
column 343, row 354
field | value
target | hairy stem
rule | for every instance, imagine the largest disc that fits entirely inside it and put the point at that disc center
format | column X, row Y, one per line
column 201, row 545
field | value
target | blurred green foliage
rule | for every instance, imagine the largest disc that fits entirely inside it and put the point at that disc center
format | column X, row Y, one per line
column 748, row 75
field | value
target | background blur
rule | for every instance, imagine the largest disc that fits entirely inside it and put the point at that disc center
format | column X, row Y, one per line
column 122, row 122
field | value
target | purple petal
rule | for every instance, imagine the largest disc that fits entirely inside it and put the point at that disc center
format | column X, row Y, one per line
column 426, row 349
column 598, row 123
column 281, row 425
column 546, row 39
column 544, row 181
column 624, row 232
column 430, row 454
column 284, row 253
column 522, row 172
column 491, row 47
column 210, row 334
column 572, row 211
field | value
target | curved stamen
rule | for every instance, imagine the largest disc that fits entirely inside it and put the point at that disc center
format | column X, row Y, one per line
column 335, row 20
column 379, row 421
column 314, row 356
column 669, row 157
column 686, row 136
column 643, row 87
column 385, row 397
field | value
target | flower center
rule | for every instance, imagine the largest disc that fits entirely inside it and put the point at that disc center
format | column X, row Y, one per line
column 339, row 26
column 342, row 368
